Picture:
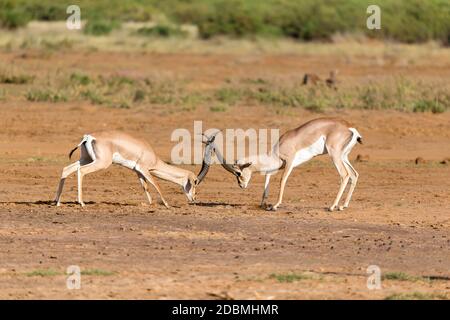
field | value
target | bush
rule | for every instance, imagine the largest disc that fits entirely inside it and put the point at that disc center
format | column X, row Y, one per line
column 163, row 31
column 100, row 27
column 13, row 19
column 402, row 20
column 15, row 79
column 429, row 105
column 45, row 96
column 230, row 18
column 80, row 79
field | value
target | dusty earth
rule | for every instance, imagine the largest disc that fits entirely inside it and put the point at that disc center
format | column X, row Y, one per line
column 223, row 246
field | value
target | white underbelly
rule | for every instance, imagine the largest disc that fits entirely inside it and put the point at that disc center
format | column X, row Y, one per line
column 308, row 153
column 118, row 159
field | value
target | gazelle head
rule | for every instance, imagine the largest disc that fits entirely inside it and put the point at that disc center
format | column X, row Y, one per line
column 243, row 173
column 241, row 170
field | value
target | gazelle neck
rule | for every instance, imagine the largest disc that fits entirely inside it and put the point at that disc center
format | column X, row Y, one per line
column 263, row 162
column 171, row 173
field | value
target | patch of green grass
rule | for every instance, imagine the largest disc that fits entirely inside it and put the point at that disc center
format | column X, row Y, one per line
column 118, row 81
column 433, row 106
column 218, row 108
column 80, row 79
column 100, row 27
column 399, row 276
column 13, row 18
column 139, row 95
column 416, row 296
column 44, row 95
column 230, row 96
column 402, row 276
column 97, row 272
column 43, row 273
column 93, row 97
column 161, row 31
column 292, row 277
column 57, row 44
column 8, row 78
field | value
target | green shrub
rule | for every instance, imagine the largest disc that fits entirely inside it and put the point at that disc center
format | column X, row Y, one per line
column 92, row 97
column 230, row 18
column 228, row 95
column 46, row 11
column 402, row 20
column 45, row 96
column 13, row 19
column 162, row 31
column 139, row 95
column 100, row 27
column 218, row 108
column 16, row 79
column 57, row 45
column 429, row 105
column 80, row 79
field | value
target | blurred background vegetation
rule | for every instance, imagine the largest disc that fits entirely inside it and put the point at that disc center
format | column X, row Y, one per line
column 409, row 21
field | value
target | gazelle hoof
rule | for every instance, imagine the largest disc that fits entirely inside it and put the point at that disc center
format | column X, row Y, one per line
column 341, row 208
column 82, row 204
column 58, row 204
column 271, row 208
column 331, row 209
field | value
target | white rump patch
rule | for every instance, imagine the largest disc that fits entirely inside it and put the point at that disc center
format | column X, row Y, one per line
column 87, row 140
column 118, row 159
column 308, row 153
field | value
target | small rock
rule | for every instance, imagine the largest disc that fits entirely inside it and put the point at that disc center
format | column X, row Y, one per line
column 445, row 161
column 362, row 158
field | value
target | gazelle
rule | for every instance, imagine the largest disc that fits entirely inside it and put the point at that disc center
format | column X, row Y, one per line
column 331, row 82
column 314, row 79
column 316, row 137
column 311, row 78
column 100, row 150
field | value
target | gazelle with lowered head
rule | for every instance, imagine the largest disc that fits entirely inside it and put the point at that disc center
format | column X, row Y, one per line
column 316, row 137
column 100, row 150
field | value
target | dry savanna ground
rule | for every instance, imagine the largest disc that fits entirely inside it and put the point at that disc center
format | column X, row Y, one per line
column 223, row 246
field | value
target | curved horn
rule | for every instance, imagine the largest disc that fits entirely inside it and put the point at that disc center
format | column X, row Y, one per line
column 206, row 156
column 225, row 165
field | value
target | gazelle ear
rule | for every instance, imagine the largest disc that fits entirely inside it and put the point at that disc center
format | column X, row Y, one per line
column 246, row 165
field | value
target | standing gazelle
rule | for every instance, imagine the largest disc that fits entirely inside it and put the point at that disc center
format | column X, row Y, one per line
column 316, row 137
column 100, row 150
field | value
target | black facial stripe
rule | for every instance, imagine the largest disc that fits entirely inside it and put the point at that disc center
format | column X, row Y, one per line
column 188, row 186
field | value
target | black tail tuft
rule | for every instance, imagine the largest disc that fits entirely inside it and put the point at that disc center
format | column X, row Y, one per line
column 71, row 152
column 359, row 139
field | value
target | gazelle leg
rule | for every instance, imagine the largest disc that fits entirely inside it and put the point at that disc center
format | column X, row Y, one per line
column 67, row 171
column 98, row 164
column 286, row 173
column 145, row 187
column 353, row 180
column 150, row 179
column 345, row 176
column 266, row 190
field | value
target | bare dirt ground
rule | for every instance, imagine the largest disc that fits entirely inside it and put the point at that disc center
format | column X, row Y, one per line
column 224, row 246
